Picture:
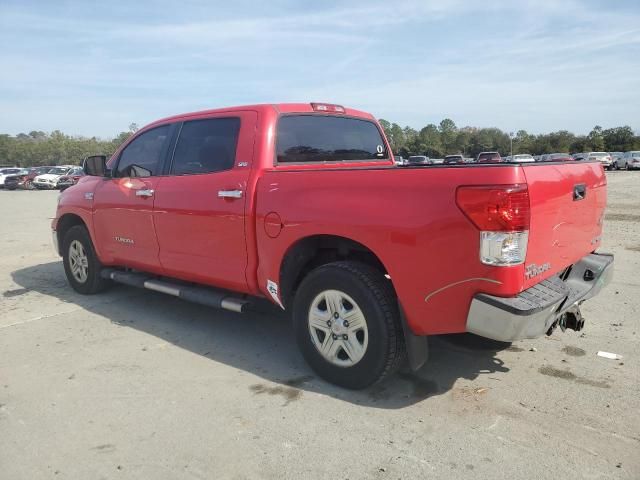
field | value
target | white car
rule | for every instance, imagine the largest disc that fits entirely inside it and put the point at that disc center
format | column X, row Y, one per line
column 521, row 158
column 50, row 179
column 603, row 157
column 7, row 172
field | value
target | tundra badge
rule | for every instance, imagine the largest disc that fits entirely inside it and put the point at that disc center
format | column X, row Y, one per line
column 534, row 270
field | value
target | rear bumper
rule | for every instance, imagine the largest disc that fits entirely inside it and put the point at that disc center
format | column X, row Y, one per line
column 534, row 311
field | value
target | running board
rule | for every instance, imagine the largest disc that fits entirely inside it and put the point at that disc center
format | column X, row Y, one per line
column 202, row 295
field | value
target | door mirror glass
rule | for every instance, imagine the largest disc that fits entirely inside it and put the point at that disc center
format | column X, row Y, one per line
column 95, row 165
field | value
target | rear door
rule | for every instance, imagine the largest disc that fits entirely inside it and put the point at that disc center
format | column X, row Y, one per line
column 199, row 211
column 567, row 208
column 123, row 204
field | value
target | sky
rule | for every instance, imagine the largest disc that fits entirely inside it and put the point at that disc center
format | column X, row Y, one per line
column 92, row 68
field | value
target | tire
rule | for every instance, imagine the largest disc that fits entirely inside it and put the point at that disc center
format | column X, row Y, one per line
column 78, row 239
column 29, row 186
column 360, row 289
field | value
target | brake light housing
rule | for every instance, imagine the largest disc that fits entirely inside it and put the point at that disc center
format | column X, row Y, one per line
column 327, row 107
column 502, row 214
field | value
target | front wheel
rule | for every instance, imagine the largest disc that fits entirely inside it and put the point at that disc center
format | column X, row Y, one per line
column 347, row 326
column 81, row 264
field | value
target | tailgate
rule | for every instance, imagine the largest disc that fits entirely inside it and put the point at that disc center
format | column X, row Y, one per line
column 567, row 209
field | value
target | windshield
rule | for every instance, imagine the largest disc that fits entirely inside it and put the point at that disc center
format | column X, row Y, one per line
column 559, row 155
column 58, row 171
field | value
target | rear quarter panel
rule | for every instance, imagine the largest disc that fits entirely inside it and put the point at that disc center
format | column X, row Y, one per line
column 407, row 216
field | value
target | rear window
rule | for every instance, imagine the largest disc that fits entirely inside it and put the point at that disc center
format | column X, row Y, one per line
column 317, row 138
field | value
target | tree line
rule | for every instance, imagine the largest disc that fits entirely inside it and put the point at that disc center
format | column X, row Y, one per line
column 55, row 148
column 446, row 138
column 435, row 141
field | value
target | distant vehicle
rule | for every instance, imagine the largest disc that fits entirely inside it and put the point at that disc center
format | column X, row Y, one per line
column 556, row 157
column 580, row 156
column 418, row 160
column 603, row 157
column 398, row 160
column 521, row 158
column 11, row 182
column 33, row 173
column 49, row 180
column 616, row 159
column 5, row 172
column 631, row 160
column 489, row 157
column 453, row 159
column 70, row 179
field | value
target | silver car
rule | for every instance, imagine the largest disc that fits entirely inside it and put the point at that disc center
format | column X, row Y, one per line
column 630, row 160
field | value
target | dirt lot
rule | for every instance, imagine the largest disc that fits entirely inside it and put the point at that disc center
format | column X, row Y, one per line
column 134, row 384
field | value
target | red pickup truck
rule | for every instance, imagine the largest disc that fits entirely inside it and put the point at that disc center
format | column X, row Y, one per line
column 302, row 204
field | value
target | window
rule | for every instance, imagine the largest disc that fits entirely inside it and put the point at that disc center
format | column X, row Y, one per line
column 206, row 146
column 316, row 138
column 142, row 157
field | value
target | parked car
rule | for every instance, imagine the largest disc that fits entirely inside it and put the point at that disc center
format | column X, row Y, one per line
column 630, row 160
column 70, row 178
column 11, row 182
column 603, row 157
column 33, row 173
column 453, row 159
column 557, row 157
column 521, row 158
column 616, row 160
column 298, row 203
column 49, row 180
column 399, row 161
column 5, row 172
column 489, row 157
column 418, row 160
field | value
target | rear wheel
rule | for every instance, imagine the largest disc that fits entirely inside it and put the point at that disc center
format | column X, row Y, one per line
column 81, row 264
column 347, row 325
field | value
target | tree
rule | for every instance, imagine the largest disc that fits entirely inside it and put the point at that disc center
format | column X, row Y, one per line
column 619, row 139
column 429, row 142
column 448, row 135
column 596, row 141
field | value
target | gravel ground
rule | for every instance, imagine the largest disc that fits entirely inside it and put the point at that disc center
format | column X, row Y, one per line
column 133, row 384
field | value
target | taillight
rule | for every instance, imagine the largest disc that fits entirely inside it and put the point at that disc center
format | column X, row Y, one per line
column 502, row 214
column 327, row 107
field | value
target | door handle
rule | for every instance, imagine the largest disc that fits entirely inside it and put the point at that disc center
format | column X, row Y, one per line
column 229, row 193
column 144, row 193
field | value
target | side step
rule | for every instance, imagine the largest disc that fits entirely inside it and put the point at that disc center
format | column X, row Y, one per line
column 202, row 295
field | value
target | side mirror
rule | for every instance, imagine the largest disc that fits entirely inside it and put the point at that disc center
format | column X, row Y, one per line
column 96, row 166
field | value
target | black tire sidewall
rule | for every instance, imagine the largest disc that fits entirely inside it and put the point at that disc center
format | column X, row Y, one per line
column 372, row 366
column 94, row 283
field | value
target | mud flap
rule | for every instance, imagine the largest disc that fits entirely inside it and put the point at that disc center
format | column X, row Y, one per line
column 417, row 346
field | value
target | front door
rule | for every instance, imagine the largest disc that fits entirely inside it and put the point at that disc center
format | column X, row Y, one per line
column 123, row 204
column 199, row 211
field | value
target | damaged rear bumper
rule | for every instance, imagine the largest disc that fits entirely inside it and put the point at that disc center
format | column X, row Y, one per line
column 542, row 307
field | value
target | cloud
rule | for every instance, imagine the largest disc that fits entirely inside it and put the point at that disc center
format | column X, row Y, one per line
column 537, row 65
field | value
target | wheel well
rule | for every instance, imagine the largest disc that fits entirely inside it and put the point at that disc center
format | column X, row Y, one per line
column 67, row 221
column 312, row 252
